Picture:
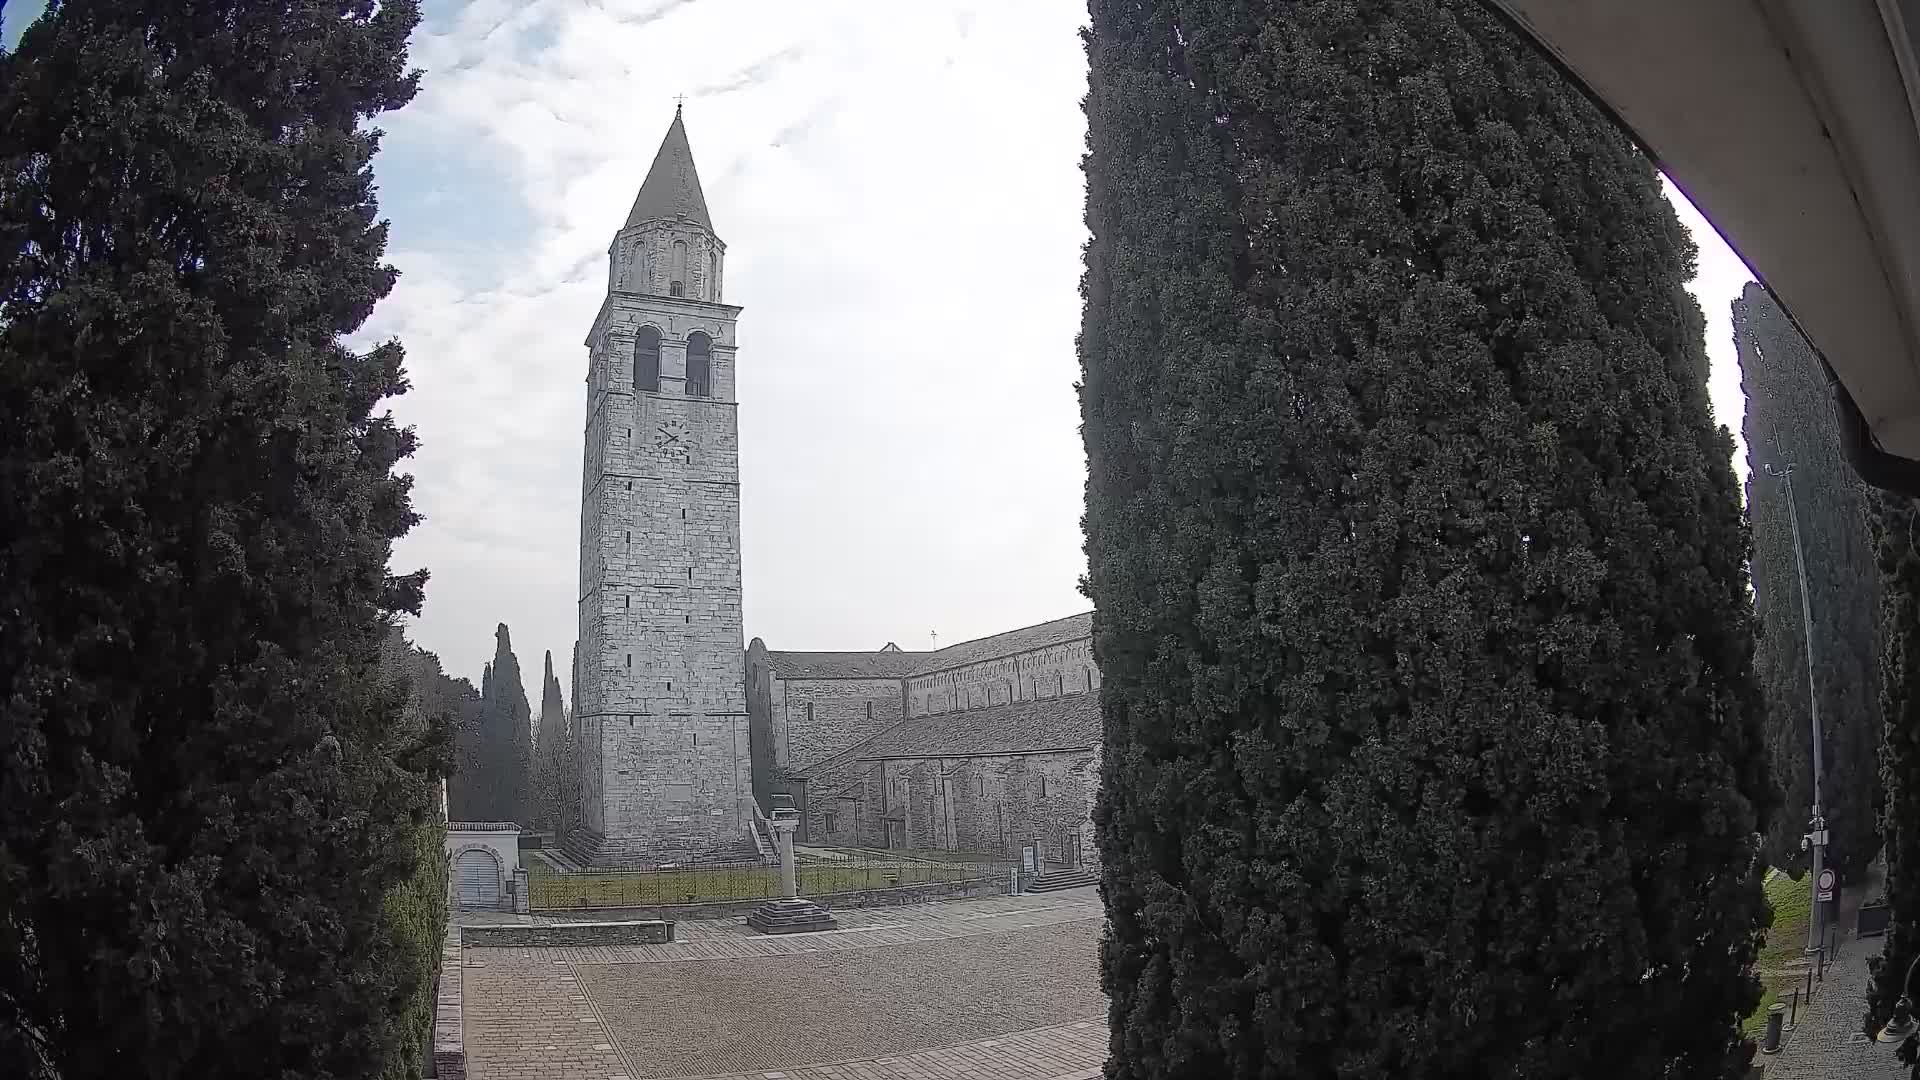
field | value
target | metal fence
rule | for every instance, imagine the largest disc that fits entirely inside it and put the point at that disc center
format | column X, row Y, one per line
column 822, row 872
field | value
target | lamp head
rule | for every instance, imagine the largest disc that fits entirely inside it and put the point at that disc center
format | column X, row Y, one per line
column 1900, row 1025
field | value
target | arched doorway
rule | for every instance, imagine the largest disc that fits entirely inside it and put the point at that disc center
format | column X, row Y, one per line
column 476, row 873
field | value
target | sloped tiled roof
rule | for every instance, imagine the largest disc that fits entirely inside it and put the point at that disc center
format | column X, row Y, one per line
column 891, row 662
column 1069, row 722
column 1025, row 639
column 843, row 665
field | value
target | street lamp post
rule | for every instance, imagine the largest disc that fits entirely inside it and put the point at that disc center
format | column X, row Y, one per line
column 1815, row 842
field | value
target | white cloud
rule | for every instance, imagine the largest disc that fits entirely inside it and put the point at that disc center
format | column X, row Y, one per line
column 900, row 191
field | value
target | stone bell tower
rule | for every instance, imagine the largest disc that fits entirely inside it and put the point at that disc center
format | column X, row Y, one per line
column 660, row 699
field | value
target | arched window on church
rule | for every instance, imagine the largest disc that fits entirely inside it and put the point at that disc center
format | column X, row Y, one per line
column 713, row 276
column 699, row 365
column 646, row 360
column 677, row 282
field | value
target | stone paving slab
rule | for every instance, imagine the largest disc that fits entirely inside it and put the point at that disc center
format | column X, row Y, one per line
column 1072, row 1051
column 1001, row 989
column 731, row 940
column 538, row 1024
column 769, row 1013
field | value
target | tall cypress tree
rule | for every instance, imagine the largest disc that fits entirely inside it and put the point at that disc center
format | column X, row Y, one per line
column 207, row 787
column 1896, row 522
column 507, row 734
column 549, row 753
column 1432, row 743
column 1790, row 421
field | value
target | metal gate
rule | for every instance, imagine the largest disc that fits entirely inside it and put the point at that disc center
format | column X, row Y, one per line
column 479, row 880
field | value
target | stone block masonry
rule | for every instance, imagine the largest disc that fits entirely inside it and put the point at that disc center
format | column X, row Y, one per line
column 449, row 1037
column 551, row 935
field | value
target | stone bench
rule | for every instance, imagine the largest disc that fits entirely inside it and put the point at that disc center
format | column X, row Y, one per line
column 548, row 935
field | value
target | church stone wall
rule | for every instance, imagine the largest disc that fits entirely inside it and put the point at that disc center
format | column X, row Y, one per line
column 1066, row 668
column 990, row 804
column 813, row 719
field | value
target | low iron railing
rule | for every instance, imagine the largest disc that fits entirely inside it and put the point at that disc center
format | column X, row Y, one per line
column 822, row 872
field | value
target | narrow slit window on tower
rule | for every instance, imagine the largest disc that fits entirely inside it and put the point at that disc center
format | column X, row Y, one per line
column 626, row 601
column 677, row 283
column 699, row 365
column 646, row 360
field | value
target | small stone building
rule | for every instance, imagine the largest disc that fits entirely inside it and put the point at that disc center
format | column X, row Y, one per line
column 982, row 747
column 483, row 857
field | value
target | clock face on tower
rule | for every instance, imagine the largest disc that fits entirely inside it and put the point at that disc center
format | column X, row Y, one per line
column 670, row 438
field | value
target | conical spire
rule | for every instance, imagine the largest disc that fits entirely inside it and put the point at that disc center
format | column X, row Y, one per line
column 672, row 188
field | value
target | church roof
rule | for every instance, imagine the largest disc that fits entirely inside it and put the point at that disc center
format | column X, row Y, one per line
column 892, row 662
column 672, row 188
column 1025, row 639
column 1069, row 722
column 843, row 665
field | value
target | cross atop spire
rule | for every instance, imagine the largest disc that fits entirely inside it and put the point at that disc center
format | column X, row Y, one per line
column 672, row 188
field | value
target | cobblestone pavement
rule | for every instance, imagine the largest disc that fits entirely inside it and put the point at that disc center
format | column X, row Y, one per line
column 1827, row 1043
column 1000, row 989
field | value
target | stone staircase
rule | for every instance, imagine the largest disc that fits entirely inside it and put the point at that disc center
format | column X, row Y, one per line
column 1056, row 880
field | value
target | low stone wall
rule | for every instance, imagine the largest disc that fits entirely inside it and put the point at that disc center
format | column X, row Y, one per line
column 512, row 935
column 449, row 1040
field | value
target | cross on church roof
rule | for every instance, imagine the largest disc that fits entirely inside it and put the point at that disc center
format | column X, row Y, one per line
column 678, row 101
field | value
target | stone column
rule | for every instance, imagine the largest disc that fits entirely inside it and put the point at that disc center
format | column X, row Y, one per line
column 784, row 824
column 788, row 913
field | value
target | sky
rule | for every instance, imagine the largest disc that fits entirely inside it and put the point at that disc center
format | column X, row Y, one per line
column 899, row 189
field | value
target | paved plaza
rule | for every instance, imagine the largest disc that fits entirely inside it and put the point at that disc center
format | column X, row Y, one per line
column 1000, row 989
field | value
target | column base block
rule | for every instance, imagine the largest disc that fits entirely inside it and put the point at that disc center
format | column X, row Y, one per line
column 794, row 915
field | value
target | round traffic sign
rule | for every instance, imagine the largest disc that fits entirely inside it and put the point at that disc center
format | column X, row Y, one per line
column 1826, row 880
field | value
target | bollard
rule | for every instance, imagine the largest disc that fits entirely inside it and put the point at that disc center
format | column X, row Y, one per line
column 1793, row 1018
column 1776, row 1015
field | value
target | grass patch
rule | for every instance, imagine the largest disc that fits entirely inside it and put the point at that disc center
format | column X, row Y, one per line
column 1783, row 957
column 548, row 890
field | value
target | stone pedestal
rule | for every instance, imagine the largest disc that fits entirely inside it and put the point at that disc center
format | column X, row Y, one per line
column 790, row 913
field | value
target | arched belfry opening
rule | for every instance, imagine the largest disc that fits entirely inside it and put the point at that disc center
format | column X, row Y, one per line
column 699, row 365
column 646, row 360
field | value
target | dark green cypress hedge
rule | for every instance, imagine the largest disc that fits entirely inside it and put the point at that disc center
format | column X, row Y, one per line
column 1433, row 746
column 1896, row 530
column 209, row 790
column 1790, row 421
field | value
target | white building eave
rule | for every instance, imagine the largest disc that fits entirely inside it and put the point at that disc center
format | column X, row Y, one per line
column 1791, row 125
